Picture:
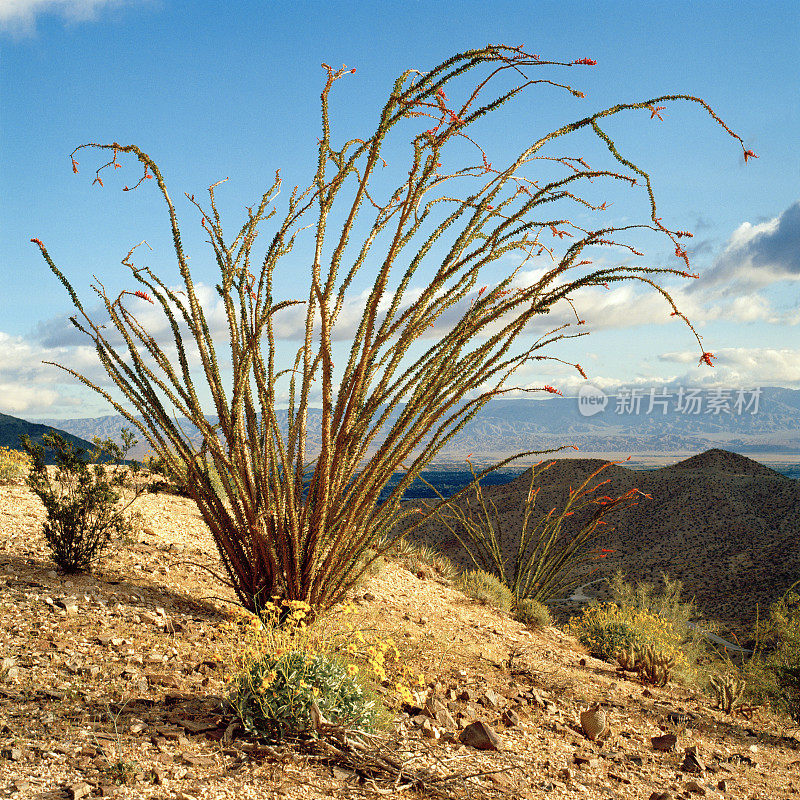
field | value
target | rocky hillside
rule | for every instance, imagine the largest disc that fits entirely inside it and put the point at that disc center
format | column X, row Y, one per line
column 112, row 684
column 723, row 524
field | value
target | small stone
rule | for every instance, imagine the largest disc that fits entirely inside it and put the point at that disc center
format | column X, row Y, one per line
column 565, row 774
column 722, row 785
column 68, row 605
column 368, row 597
column 695, row 788
column 429, row 730
column 510, row 718
column 660, row 796
column 490, row 699
column 664, row 743
column 691, row 763
column 480, row 736
column 586, row 761
column 79, row 790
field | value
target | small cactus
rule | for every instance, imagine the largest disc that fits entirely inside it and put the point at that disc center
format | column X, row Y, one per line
column 729, row 690
column 655, row 667
column 628, row 658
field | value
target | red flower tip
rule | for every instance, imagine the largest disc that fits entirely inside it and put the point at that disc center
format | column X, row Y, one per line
column 39, row 242
column 675, row 314
column 749, row 154
column 590, row 62
column 74, row 166
column 353, row 71
column 654, row 111
column 552, row 390
column 140, row 294
column 580, row 369
column 97, row 180
column 707, row 358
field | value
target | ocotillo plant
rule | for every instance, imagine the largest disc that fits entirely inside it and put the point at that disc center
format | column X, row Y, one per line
column 538, row 560
column 293, row 526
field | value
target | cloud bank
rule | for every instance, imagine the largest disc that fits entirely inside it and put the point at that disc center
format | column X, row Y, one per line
column 758, row 255
column 21, row 15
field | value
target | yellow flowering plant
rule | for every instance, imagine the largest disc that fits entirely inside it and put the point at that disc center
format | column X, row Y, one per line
column 605, row 629
column 286, row 667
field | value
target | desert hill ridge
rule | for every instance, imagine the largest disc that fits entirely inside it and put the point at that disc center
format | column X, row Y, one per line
column 723, row 524
column 128, row 666
column 11, row 428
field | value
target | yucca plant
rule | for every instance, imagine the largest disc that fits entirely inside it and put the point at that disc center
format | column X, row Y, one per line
column 292, row 523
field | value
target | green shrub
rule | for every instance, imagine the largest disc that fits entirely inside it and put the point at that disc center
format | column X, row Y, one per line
column 81, row 498
column 488, row 588
column 14, row 465
column 604, row 630
column 607, row 629
column 772, row 674
column 533, row 613
column 274, row 695
column 286, row 670
column 674, row 615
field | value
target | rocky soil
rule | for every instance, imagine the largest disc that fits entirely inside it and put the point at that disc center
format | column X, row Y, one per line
column 111, row 685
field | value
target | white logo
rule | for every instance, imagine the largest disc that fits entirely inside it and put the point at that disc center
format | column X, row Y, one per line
column 591, row 400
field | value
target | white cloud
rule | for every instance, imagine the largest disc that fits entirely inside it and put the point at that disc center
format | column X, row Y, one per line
column 20, row 15
column 758, row 255
column 740, row 366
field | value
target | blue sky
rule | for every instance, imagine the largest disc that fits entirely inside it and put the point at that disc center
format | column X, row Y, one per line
column 213, row 90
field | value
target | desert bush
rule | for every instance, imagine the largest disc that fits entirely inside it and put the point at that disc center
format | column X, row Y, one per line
column 291, row 676
column 772, row 673
column 609, row 629
column 533, row 613
column 82, row 497
column 417, row 557
column 295, row 526
column 486, row 587
column 14, row 465
column 547, row 562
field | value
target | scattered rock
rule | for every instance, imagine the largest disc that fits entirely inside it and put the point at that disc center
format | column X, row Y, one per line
column 480, row 736
column 691, row 763
column 695, row 788
column 586, row 761
column 79, row 790
column 510, row 718
column 661, row 796
column 490, row 699
column 664, row 743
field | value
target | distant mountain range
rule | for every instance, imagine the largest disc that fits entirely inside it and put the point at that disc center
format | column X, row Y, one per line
column 764, row 421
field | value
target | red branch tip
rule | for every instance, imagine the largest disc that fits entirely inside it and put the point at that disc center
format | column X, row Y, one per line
column 142, row 296
column 707, row 358
column 38, row 242
column 552, row 390
column 588, row 61
column 749, row 154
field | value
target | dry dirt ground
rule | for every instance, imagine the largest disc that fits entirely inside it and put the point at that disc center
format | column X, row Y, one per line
column 112, row 687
